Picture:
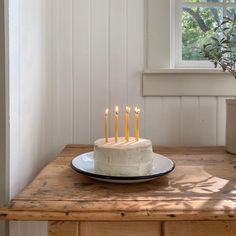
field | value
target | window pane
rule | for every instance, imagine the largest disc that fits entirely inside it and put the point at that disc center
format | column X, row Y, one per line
column 198, row 25
column 230, row 1
column 230, row 12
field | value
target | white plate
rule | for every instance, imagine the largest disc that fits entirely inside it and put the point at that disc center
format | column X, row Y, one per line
column 84, row 164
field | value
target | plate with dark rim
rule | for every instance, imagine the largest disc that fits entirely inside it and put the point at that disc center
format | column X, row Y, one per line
column 84, row 164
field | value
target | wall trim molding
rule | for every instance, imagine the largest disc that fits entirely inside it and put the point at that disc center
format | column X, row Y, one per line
column 188, row 83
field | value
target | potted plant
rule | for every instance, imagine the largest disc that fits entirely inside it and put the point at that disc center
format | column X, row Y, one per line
column 221, row 50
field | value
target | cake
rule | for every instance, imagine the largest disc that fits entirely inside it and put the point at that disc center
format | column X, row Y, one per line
column 132, row 158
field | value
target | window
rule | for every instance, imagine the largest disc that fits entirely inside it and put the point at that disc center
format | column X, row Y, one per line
column 173, row 66
column 193, row 24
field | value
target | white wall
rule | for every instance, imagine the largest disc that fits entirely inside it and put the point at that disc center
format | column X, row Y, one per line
column 63, row 81
column 2, row 114
column 30, row 81
column 98, row 62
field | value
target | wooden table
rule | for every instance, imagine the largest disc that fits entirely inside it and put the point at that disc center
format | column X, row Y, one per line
column 198, row 198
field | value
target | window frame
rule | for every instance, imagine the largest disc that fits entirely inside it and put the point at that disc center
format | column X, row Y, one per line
column 176, row 30
column 160, row 73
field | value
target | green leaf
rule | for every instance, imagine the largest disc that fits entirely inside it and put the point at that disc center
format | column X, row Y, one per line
column 226, row 28
column 227, row 19
column 225, row 51
column 215, row 39
column 224, row 40
column 224, row 22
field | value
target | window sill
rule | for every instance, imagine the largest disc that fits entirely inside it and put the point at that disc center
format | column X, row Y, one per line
column 184, row 71
column 188, row 82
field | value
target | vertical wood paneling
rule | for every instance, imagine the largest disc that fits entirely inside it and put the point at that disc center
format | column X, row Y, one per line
column 99, row 66
column 31, row 134
column 154, row 120
column 35, row 99
column 190, row 121
column 207, row 116
column 135, row 56
column 14, row 94
column 28, row 228
column 172, row 120
column 117, row 61
column 62, row 73
column 81, row 70
column 14, row 105
column 14, row 228
column 221, row 120
column 3, row 117
column 3, row 95
column 30, row 86
column 3, row 228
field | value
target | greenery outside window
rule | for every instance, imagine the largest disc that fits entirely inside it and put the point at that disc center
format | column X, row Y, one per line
column 193, row 23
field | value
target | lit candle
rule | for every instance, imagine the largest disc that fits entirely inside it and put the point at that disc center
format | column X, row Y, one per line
column 137, row 110
column 106, row 125
column 127, row 123
column 116, row 124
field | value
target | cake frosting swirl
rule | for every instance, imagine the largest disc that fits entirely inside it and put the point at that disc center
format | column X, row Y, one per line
column 132, row 158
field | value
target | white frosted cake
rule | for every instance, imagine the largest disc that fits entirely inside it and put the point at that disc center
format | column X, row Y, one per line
column 133, row 158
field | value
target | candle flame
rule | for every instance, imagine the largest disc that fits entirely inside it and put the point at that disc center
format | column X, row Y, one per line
column 127, row 109
column 117, row 109
column 106, row 111
column 137, row 110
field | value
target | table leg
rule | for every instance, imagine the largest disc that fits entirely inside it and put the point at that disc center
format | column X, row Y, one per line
column 63, row 228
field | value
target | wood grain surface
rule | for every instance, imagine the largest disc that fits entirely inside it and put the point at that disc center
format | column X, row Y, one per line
column 120, row 229
column 200, row 228
column 202, row 187
column 63, row 228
